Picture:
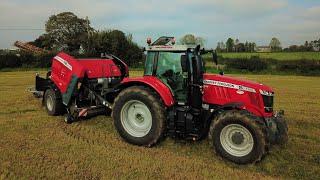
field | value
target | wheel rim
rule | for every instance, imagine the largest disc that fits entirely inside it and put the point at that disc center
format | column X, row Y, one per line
column 236, row 140
column 136, row 118
column 50, row 103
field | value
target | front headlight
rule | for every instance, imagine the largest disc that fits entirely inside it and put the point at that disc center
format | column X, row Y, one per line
column 266, row 93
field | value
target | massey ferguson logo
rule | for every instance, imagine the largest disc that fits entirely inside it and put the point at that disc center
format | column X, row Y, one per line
column 228, row 85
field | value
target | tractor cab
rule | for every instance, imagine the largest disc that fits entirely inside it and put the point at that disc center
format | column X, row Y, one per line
column 180, row 67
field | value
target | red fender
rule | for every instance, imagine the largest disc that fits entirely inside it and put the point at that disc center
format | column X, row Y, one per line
column 241, row 106
column 155, row 84
column 256, row 111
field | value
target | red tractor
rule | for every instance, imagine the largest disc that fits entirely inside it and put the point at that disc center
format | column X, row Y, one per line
column 174, row 98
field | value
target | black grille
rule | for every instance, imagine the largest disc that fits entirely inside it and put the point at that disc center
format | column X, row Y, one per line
column 268, row 103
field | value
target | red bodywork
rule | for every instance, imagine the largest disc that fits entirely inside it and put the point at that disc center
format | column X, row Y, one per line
column 221, row 90
column 65, row 66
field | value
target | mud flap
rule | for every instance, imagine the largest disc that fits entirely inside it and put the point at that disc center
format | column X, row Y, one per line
column 66, row 97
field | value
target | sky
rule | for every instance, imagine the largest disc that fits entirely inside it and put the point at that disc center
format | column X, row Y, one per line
column 291, row 21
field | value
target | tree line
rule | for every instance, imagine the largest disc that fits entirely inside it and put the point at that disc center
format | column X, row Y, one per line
column 308, row 46
column 69, row 33
column 232, row 45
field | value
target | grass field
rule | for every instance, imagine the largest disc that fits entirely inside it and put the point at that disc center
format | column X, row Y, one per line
column 276, row 55
column 36, row 146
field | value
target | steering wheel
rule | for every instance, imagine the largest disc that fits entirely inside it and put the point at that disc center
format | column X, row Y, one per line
column 168, row 73
column 170, row 77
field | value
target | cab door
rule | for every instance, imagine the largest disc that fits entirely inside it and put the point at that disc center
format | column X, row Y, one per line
column 169, row 70
column 196, row 70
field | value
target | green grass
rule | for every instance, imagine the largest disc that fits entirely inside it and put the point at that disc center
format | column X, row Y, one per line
column 276, row 55
column 34, row 145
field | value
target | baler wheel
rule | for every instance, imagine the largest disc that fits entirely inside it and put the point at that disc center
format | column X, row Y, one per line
column 52, row 103
column 237, row 137
column 139, row 116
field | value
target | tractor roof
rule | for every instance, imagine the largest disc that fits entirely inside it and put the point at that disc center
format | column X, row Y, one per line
column 170, row 47
column 165, row 43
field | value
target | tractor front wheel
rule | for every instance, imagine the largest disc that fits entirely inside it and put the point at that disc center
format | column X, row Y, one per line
column 238, row 137
column 139, row 116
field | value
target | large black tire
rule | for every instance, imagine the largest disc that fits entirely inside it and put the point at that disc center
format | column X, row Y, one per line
column 155, row 106
column 53, row 103
column 240, row 124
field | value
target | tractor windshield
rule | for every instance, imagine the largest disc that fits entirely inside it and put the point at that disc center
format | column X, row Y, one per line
column 166, row 61
column 169, row 62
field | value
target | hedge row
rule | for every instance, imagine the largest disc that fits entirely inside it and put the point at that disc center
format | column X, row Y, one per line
column 256, row 64
column 12, row 60
column 253, row 64
column 27, row 60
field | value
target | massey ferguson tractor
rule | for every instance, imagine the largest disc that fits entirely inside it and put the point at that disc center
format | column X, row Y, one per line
column 174, row 98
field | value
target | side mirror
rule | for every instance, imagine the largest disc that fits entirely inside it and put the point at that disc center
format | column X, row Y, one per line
column 215, row 57
column 183, row 61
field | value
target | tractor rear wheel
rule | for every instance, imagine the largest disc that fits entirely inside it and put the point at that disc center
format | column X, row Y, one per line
column 52, row 103
column 238, row 137
column 139, row 116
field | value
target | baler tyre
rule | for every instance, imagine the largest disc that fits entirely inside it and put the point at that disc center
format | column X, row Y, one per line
column 139, row 116
column 237, row 137
column 52, row 103
column 282, row 131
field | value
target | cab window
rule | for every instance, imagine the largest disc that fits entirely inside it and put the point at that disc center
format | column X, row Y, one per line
column 169, row 61
column 149, row 63
column 169, row 71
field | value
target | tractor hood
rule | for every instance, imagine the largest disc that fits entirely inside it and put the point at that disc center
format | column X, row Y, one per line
column 235, row 83
column 221, row 90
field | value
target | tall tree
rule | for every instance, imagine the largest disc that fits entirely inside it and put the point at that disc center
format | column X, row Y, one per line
column 236, row 45
column 253, row 46
column 221, row 47
column 306, row 44
column 316, row 45
column 247, row 46
column 218, row 48
column 67, row 31
column 237, row 41
column 230, row 45
column 117, row 43
column 275, row 44
column 190, row 39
